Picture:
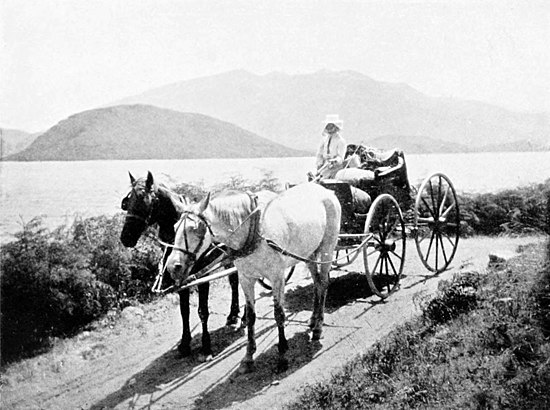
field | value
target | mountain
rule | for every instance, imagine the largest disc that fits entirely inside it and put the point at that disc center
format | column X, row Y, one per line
column 13, row 141
column 289, row 109
column 416, row 144
column 146, row 132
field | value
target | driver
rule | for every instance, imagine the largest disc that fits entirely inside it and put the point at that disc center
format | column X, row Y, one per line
column 330, row 160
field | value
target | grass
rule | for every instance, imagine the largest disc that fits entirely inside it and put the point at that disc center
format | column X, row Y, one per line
column 483, row 342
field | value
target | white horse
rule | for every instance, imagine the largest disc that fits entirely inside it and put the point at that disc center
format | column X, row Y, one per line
column 302, row 223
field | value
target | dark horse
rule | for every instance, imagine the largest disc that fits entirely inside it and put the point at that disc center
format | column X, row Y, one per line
column 149, row 203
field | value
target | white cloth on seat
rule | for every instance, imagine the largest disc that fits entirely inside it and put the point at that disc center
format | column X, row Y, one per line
column 354, row 176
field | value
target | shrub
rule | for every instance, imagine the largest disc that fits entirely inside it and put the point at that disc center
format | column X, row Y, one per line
column 518, row 211
column 53, row 283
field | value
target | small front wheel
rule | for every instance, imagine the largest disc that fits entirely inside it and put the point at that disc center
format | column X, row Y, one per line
column 384, row 253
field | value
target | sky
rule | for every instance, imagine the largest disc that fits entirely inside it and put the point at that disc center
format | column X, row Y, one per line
column 61, row 57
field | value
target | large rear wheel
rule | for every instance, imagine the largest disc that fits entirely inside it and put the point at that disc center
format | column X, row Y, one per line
column 384, row 253
column 436, row 222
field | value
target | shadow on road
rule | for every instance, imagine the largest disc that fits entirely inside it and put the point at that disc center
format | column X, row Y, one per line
column 345, row 289
column 169, row 372
column 171, row 368
column 242, row 387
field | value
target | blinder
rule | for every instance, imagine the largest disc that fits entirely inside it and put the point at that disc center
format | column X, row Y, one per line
column 192, row 254
column 124, row 203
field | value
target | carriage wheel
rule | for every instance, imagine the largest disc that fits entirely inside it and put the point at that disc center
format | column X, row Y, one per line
column 384, row 254
column 265, row 283
column 436, row 222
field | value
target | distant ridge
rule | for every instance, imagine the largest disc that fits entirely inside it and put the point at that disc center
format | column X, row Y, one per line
column 289, row 109
column 13, row 141
column 147, row 132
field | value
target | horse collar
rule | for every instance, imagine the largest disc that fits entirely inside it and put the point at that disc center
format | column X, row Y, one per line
column 253, row 238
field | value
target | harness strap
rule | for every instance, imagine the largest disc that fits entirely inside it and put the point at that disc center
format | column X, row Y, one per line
column 275, row 246
column 253, row 237
column 284, row 252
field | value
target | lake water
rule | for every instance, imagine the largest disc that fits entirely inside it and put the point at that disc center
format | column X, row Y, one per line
column 61, row 190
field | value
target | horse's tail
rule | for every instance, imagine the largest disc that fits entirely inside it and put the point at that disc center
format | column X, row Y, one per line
column 333, row 212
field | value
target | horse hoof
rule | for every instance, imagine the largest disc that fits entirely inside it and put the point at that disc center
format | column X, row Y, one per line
column 233, row 323
column 316, row 335
column 282, row 365
column 246, row 367
column 205, row 358
column 184, row 351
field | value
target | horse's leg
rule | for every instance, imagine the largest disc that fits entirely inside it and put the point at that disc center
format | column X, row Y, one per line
column 320, row 283
column 247, row 285
column 278, row 302
column 185, row 345
column 233, row 320
column 206, row 349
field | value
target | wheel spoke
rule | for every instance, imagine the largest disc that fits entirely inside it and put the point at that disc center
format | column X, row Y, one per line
column 392, row 265
column 436, row 251
column 428, row 207
column 430, row 246
column 450, row 241
column 426, row 220
column 434, row 203
column 443, row 250
column 424, row 237
column 397, row 255
column 444, row 200
column 376, row 264
column 444, row 214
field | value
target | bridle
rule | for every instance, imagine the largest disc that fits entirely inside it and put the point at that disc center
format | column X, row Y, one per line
column 192, row 254
column 130, row 215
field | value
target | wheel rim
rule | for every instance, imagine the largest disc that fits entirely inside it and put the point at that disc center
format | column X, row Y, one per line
column 384, row 255
column 437, row 222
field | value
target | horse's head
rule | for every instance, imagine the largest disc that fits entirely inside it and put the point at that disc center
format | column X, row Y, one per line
column 193, row 238
column 139, row 205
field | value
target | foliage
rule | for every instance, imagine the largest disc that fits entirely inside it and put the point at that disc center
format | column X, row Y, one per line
column 493, row 353
column 517, row 211
column 53, row 283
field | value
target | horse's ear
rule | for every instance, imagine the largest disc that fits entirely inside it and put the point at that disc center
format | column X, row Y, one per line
column 132, row 179
column 150, row 181
column 203, row 204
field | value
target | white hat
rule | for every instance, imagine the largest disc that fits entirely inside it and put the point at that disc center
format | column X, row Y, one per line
column 333, row 119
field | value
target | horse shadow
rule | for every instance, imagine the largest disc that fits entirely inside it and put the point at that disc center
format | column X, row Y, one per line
column 171, row 368
column 352, row 287
column 239, row 388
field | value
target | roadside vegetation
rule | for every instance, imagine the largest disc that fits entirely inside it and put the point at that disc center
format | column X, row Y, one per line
column 483, row 342
column 55, row 283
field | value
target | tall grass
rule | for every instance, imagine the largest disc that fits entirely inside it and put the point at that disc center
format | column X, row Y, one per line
column 481, row 343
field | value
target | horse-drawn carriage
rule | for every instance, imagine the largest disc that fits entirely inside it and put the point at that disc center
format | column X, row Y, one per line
column 268, row 234
column 429, row 214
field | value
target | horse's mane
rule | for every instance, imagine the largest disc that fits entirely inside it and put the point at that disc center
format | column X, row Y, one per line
column 231, row 207
column 162, row 190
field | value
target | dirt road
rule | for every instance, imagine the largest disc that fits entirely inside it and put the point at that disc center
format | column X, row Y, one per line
column 134, row 364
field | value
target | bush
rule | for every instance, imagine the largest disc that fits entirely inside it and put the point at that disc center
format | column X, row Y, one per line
column 517, row 211
column 53, row 283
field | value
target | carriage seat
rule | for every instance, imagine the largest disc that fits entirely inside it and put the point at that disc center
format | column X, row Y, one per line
column 352, row 221
column 387, row 166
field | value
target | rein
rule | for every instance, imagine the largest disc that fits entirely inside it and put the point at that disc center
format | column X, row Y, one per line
column 275, row 246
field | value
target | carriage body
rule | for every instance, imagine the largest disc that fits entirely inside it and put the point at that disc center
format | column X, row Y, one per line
column 429, row 215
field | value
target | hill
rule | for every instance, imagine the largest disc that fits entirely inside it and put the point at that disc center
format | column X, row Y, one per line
column 289, row 109
column 416, row 144
column 146, row 132
column 13, row 141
